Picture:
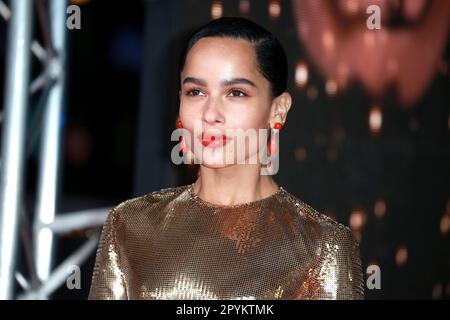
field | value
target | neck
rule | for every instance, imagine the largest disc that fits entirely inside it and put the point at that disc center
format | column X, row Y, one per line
column 234, row 184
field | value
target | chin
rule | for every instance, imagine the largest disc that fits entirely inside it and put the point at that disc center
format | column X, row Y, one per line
column 214, row 160
column 217, row 161
column 215, row 165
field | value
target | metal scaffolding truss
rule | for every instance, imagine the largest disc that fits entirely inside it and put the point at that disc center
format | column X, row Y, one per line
column 50, row 84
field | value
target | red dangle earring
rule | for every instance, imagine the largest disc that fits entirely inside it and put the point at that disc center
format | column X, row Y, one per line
column 183, row 145
column 273, row 146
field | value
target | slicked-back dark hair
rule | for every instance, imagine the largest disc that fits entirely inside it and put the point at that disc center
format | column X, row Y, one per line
column 271, row 58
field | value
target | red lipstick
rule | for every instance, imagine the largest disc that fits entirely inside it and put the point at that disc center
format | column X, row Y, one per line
column 213, row 140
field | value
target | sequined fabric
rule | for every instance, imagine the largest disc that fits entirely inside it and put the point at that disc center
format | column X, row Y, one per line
column 171, row 244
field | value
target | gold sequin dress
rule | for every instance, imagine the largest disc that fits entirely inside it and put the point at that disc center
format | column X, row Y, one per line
column 171, row 244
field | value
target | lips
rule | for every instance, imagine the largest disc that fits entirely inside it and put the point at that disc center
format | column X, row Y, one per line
column 213, row 140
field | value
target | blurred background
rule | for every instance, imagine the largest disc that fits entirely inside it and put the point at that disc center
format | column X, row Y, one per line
column 367, row 140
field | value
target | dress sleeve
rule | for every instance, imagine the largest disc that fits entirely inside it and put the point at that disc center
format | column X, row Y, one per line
column 350, row 284
column 338, row 276
column 108, row 280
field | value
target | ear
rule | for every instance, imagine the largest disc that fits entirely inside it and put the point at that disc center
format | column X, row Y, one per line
column 280, row 108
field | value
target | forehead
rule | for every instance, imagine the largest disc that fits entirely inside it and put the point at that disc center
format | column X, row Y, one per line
column 221, row 54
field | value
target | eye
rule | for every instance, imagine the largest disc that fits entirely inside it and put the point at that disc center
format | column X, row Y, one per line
column 237, row 93
column 194, row 92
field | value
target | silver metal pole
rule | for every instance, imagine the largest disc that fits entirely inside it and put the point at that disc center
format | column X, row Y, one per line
column 51, row 141
column 60, row 274
column 85, row 219
column 13, row 140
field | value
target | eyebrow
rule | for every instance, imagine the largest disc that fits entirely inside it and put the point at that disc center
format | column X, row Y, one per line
column 224, row 83
column 196, row 81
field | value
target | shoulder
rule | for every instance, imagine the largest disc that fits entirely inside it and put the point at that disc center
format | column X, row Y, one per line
column 337, row 250
column 152, row 198
column 134, row 207
column 329, row 229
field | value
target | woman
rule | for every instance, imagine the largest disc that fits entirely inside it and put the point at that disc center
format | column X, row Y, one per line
column 233, row 233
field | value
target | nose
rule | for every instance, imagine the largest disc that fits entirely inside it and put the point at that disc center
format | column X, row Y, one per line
column 212, row 112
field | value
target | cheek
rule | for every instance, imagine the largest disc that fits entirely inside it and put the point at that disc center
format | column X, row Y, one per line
column 253, row 118
column 188, row 114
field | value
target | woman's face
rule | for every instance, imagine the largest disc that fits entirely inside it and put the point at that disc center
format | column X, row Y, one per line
column 222, row 89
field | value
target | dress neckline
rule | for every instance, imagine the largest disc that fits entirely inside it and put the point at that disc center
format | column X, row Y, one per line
column 199, row 200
